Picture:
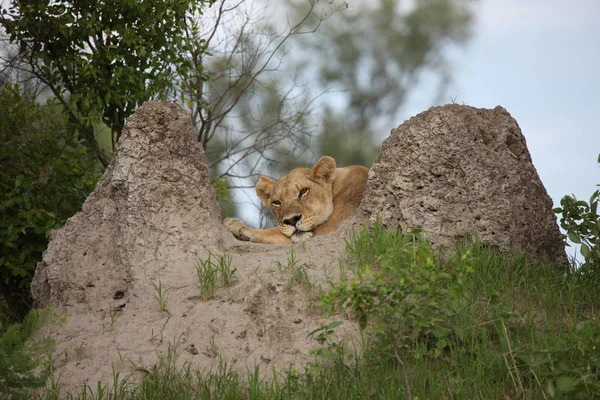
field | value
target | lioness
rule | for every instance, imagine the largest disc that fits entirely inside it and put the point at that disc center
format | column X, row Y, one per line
column 306, row 201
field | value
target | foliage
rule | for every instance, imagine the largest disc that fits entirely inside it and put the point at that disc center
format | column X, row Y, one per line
column 223, row 194
column 581, row 222
column 403, row 290
column 221, row 190
column 18, row 360
column 329, row 351
column 418, row 308
column 102, row 59
column 45, row 175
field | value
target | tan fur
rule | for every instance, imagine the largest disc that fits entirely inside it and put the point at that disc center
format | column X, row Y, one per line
column 306, row 201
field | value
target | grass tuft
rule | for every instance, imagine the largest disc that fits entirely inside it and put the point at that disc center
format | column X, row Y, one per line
column 210, row 273
column 161, row 298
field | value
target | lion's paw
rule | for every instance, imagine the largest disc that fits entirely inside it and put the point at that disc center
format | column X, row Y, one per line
column 302, row 236
column 236, row 227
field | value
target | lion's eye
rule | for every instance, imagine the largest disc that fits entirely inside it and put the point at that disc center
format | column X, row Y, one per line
column 303, row 193
column 276, row 203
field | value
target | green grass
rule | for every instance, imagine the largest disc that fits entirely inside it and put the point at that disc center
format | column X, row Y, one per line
column 210, row 273
column 161, row 298
column 476, row 325
column 298, row 276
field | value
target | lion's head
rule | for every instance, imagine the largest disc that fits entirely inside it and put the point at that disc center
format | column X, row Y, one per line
column 302, row 199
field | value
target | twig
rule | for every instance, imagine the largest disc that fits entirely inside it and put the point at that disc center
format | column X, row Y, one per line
column 512, row 357
column 409, row 394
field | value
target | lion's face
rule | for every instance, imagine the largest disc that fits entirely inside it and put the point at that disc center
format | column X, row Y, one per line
column 302, row 199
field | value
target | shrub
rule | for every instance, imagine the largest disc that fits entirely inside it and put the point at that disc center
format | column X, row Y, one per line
column 581, row 223
column 403, row 291
column 478, row 323
column 19, row 358
column 45, row 175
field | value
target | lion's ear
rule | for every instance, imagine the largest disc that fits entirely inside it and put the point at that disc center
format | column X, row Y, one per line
column 264, row 189
column 324, row 169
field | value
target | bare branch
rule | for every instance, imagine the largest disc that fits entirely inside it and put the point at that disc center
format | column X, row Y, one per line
column 235, row 105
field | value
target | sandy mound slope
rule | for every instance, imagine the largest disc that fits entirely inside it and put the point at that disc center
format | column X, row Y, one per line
column 151, row 217
column 458, row 171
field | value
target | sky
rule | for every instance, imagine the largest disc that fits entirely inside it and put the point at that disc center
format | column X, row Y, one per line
column 540, row 60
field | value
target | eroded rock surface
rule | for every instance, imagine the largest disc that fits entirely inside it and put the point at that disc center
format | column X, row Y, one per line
column 149, row 219
column 457, row 171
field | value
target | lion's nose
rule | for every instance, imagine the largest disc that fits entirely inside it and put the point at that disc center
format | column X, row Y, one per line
column 293, row 221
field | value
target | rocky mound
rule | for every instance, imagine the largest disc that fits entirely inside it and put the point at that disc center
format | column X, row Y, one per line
column 150, row 218
column 154, row 204
column 457, row 171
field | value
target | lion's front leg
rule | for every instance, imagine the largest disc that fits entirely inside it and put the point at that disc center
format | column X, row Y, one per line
column 266, row 236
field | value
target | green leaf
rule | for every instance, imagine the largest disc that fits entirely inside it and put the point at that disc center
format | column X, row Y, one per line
column 565, row 383
column 333, row 324
column 550, row 389
column 585, row 250
column 19, row 180
column 574, row 237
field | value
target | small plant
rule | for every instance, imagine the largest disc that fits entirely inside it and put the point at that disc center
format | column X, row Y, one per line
column 80, row 351
column 221, row 188
column 209, row 273
column 48, row 360
column 299, row 276
column 581, row 222
column 330, row 349
column 225, row 270
column 343, row 271
column 113, row 313
column 291, row 264
column 213, row 350
column 207, row 277
column 19, row 357
column 161, row 295
column 296, row 270
column 289, row 301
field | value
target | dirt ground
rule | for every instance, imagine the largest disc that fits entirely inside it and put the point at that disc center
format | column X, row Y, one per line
column 263, row 319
